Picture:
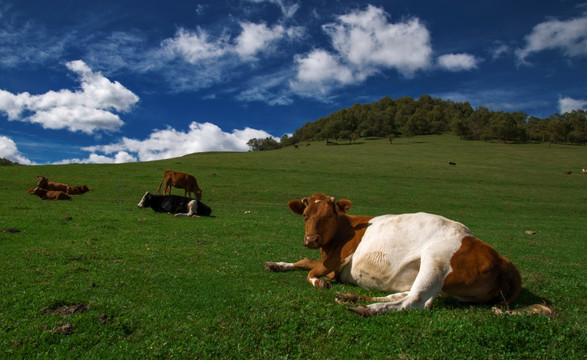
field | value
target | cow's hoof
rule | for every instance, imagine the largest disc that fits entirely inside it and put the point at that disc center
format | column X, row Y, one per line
column 323, row 284
column 272, row 266
column 346, row 298
column 361, row 310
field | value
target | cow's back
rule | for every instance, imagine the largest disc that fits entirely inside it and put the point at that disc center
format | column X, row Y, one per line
column 389, row 255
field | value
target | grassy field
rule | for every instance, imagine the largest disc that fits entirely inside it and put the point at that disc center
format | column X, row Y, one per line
column 97, row 277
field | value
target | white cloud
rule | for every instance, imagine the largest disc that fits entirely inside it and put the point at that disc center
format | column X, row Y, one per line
column 87, row 110
column 567, row 104
column 366, row 39
column 268, row 89
column 170, row 143
column 568, row 36
column 8, row 150
column 457, row 62
column 321, row 66
column 194, row 46
column 256, row 38
column 365, row 43
column 498, row 50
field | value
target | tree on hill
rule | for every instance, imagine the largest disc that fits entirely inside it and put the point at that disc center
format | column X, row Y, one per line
column 407, row 117
column 6, row 162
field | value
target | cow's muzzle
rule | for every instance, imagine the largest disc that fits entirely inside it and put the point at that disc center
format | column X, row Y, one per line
column 312, row 241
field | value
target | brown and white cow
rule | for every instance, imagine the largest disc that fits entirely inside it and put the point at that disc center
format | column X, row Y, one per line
column 415, row 256
column 182, row 181
column 44, row 183
column 45, row 194
column 583, row 171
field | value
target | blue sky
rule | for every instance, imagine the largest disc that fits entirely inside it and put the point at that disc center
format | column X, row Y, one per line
column 120, row 81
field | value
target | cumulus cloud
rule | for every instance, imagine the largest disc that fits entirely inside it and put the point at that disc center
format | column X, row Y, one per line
column 255, row 38
column 170, row 143
column 87, row 110
column 569, row 36
column 8, row 150
column 457, row 62
column 194, row 46
column 365, row 43
column 567, row 104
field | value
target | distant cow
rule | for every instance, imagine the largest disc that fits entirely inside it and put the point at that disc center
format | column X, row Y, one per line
column 44, row 183
column 174, row 204
column 452, row 163
column 182, row 181
column 45, row 194
column 415, row 256
column 78, row 190
column 583, row 171
column 569, row 172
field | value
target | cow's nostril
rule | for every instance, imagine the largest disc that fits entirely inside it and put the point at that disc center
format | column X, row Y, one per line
column 312, row 241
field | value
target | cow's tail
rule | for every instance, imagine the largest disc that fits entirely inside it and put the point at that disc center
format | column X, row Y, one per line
column 510, row 282
column 160, row 184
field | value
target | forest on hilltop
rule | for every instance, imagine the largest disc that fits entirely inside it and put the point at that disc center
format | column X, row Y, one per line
column 406, row 117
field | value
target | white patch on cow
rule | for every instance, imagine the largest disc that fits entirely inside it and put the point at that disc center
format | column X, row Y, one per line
column 408, row 252
column 315, row 282
column 192, row 209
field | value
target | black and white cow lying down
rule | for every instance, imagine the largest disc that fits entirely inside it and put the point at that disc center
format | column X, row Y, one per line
column 174, row 204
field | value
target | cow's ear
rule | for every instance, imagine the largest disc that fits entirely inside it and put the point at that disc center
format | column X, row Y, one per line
column 296, row 206
column 342, row 206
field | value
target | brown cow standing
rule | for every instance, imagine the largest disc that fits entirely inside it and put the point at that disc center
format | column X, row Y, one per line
column 44, row 183
column 51, row 194
column 182, row 181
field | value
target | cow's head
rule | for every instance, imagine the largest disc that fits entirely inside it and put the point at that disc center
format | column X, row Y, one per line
column 199, row 194
column 41, row 181
column 39, row 191
column 145, row 201
column 322, row 216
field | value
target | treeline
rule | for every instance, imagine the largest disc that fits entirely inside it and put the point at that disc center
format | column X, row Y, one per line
column 6, row 162
column 406, row 117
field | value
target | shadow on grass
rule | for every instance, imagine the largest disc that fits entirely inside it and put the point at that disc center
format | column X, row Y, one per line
column 525, row 299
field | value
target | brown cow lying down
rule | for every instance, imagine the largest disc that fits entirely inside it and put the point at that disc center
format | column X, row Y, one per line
column 50, row 194
column 78, row 190
column 44, row 183
column 415, row 257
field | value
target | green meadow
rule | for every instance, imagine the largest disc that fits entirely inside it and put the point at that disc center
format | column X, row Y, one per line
column 99, row 278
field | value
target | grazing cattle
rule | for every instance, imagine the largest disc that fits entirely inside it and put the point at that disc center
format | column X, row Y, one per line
column 44, row 183
column 583, row 171
column 174, row 204
column 569, row 172
column 182, row 181
column 416, row 256
column 45, row 194
column 452, row 163
column 78, row 190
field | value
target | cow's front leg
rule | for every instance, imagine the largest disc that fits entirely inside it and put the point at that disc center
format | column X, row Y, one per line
column 314, row 277
column 304, row 264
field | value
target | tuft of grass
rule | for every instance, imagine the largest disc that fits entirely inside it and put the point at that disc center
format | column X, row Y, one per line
column 157, row 286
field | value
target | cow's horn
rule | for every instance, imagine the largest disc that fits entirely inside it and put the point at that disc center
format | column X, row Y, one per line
column 305, row 201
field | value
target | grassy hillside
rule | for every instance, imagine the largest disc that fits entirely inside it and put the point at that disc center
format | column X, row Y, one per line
column 148, row 285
